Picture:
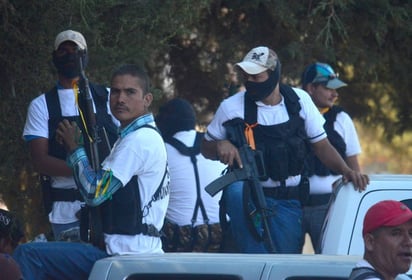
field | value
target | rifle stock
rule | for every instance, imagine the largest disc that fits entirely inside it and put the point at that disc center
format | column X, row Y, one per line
column 253, row 169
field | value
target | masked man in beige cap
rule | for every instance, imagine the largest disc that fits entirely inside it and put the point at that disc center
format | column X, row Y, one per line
column 61, row 198
column 387, row 234
column 282, row 120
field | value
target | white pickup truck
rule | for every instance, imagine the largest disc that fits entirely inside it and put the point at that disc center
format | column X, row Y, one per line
column 342, row 229
column 342, row 247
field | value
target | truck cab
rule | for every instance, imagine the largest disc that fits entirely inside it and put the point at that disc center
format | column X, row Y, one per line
column 341, row 246
column 342, row 229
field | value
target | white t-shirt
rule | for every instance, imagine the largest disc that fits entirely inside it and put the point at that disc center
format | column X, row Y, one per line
column 37, row 125
column 142, row 153
column 344, row 127
column 233, row 107
column 183, row 192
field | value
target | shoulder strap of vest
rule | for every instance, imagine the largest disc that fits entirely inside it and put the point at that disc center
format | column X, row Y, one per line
column 192, row 152
column 100, row 93
column 361, row 273
column 330, row 116
column 149, row 229
column 183, row 149
column 291, row 102
column 291, row 99
column 53, row 103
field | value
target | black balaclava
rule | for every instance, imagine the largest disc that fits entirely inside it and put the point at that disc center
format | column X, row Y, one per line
column 175, row 115
column 68, row 64
column 260, row 90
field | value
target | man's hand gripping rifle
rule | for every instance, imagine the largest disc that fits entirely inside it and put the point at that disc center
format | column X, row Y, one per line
column 253, row 169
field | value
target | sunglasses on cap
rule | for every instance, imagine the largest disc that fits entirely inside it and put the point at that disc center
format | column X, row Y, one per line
column 324, row 73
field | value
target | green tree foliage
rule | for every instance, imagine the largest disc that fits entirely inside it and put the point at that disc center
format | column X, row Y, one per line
column 190, row 47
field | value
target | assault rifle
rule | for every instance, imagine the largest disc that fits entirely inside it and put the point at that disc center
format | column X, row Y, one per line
column 97, row 147
column 253, row 170
column 98, row 142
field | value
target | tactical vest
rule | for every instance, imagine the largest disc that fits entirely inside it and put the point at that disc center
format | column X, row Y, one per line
column 122, row 213
column 284, row 145
column 103, row 118
column 313, row 165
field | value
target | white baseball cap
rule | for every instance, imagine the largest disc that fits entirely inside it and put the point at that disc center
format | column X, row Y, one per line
column 258, row 60
column 70, row 35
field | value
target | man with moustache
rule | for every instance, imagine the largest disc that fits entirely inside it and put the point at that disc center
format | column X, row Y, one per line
column 387, row 236
column 131, row 187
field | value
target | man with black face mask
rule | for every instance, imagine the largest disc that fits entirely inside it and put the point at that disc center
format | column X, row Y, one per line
column 279, row 121
column 61, row 197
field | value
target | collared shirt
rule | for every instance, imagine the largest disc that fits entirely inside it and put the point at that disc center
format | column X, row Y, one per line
column 96, row 186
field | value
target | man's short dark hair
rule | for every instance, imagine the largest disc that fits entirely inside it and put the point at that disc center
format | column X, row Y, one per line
column 135, row 71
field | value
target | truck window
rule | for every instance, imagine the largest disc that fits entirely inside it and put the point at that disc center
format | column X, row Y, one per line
column 159, row 276
column 407, row 202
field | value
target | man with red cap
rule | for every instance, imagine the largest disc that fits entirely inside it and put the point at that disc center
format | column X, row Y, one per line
column 387, row 234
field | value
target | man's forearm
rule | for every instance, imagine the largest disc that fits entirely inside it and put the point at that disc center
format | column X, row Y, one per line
column 52, row 166
column 330, row 157
column 96, row 186
column 209, row 149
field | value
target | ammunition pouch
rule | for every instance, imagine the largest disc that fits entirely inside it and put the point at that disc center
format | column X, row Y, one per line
column 201, row 238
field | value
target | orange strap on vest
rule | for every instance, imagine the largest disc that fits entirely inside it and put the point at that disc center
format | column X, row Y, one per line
column 249, row 135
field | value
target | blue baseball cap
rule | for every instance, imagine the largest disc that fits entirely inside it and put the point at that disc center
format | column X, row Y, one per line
column 321, row 73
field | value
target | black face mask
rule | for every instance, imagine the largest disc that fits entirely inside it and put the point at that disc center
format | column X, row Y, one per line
column 259, row 91
column 68, row 64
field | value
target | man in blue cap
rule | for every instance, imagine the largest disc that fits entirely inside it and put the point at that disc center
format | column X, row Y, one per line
column 321, row 82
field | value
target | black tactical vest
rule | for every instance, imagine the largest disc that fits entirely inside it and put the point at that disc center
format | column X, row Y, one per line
column 313, row 164
column 103, row 119
column 284, row 145
column 122, row 213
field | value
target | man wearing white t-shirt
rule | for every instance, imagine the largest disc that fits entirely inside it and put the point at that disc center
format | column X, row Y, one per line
column 321, row 82
column 60, row 194
column 192, row 218
column 131, row 188
column 278, row 121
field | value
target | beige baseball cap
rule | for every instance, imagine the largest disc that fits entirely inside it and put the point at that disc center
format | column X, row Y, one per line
column 70, row 35
column 258, row 60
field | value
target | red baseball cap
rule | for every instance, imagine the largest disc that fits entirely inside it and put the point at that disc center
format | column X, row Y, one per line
column 388, row 213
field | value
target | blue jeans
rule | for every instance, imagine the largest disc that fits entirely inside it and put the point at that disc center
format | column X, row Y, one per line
column 313, row 218
column 57, row 260
column 285, row 223
column 59, row 228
